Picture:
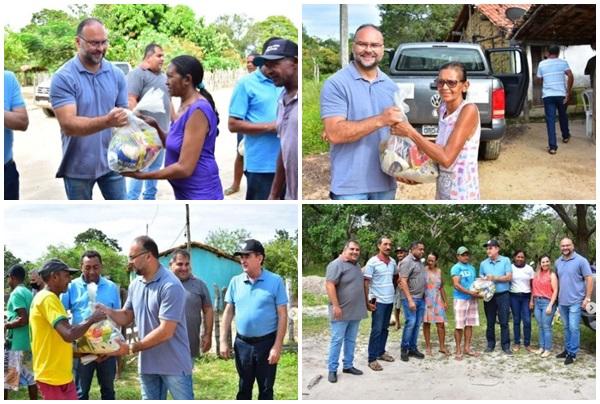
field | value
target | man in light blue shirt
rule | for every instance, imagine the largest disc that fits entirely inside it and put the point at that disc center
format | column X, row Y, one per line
column 89, row 95
column 575, row 287
column 498, row 269
column 15, row 118
column 77, row 299
column 357, row 109
column 555, row 94
column 379, row 295
column 253, row 112
column 258, row 300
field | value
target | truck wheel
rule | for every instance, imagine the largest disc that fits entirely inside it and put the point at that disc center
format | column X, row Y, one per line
column 48, row 112
column 589, row 321
column 490, row 150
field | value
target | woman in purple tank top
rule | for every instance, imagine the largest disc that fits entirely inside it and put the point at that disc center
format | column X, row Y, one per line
column 190, row 164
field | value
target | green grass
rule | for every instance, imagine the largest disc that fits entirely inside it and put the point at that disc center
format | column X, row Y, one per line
column 311, row 119
column 318, row 270
column 214, row 379
column 310, row 299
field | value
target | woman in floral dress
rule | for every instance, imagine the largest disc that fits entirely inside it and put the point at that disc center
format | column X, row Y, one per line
column 436, row 305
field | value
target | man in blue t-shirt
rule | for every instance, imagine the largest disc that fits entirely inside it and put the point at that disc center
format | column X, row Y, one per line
column 15, row 118
column 89, row 97
column 498, row 269
column 253, row 112
column 258, row 300
column 555, row 94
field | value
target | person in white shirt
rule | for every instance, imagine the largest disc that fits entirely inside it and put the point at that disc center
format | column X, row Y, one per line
column 520, row 295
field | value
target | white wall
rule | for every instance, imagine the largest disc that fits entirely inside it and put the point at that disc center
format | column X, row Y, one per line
column 577, row 57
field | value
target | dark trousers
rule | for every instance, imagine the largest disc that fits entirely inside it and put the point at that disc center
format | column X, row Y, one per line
column 258, row 185
column 251, row 363
column 498, row 306
column 519, row 306
column 551, row 105
column 11, row 181
column 105, row 371
column 380, row 321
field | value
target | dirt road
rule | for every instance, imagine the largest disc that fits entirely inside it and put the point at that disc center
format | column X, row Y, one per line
column 524, row 170
column 37, row 153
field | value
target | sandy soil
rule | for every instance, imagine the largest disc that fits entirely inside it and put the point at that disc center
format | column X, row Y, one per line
column 524, row 170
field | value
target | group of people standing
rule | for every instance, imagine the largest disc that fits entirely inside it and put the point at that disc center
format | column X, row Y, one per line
column 90, row 96
column 416, row 284
column 171, row 309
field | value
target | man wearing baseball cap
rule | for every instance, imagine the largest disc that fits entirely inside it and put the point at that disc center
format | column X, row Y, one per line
column 498, row 269
column 52, row 335
column 258, row 300
column 280, row 62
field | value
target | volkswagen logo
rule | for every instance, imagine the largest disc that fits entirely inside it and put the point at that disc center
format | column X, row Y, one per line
column 436, row 100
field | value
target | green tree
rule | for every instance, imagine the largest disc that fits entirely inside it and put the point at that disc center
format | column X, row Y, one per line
column 580, row 223
column 236, row 27
column 15, row 52
column 273, row 26
column 281, row 256
column 10, row 259
column 92, row 235
column 227, row 240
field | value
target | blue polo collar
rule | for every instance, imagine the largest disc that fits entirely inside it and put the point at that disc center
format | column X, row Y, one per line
column 159, row 274
column 262, row 77
column 101, row 281
column 356, row 74
column 261, row 277
column 104, row 66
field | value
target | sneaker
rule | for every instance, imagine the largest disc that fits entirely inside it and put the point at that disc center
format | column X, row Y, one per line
column 353, row 371
column 386, row 357
column 404, row 355
column 546, row 354
column 416, row 354
column 528, row 348
column 539, row 351
column 507, row 351
column 566, row 139
column 332, row 377
column 551, row 151
column 562, row 355
column 375, row 366
column 569, row 359
column 489, row 349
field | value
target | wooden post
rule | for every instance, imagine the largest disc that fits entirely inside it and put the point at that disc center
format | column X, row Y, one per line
column 344, row 59
column 229, row 334
column 216, row 306
column 288, row 289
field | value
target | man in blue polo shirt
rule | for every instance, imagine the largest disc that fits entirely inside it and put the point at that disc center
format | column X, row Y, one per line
column 555, row 94
column 89, row 95
column 156, row 301
column 575, row 287
column 357, row 109
column 79, row 298
column 498, row 269
column 258, row 300
column 253, row 112
column 379, row 295
column 15, row 118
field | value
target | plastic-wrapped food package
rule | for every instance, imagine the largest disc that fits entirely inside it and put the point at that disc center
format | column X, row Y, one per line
column 399, row 156
column 135, row 146
column 12, row 370
column 485, row 288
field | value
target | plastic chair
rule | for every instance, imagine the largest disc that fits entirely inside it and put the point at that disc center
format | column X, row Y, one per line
column 588, row 105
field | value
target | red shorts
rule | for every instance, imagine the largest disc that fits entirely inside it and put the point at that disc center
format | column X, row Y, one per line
column 63, row 392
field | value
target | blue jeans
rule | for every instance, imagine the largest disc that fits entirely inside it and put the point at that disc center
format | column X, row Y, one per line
column 251, row 362
column 155, row 387
column 519, row 306
column 380, row 321
column 258, row 185
column 112, row 186
column 11, row 181
column 498, row 306
column 342, row 332
column 134, row 186
column 571, row 316
column 551, row 105
column 412, row 324
column 105, row 372
column 370, row 196
column 544, row 322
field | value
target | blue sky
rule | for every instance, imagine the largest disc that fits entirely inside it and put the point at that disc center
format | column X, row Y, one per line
column 322, row 20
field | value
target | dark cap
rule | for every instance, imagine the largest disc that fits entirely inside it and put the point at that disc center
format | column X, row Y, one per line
column 277, row 49
column 401, row 249
column 250, row 246
column 492, row 243
column 17, row 271
column 55, row 265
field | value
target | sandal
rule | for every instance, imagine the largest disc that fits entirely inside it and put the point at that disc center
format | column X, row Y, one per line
column 474, row 354
column 375, row 366
column 230, row 191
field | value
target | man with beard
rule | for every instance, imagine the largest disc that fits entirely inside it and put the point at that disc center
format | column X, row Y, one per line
column 401, row 252
column 89, row 95
column 198, row 305
column 156, row 302
column 35, row 282
column 77, row 300
column 357, row 109
column 379, row 297
column 149, row 76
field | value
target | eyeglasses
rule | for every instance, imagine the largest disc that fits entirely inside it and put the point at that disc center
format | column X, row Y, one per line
column 132, row 257
column 365, row 45
column 450, row 83
column 95, row 44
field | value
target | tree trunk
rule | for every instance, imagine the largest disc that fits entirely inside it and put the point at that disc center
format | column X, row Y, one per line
column 577, row 226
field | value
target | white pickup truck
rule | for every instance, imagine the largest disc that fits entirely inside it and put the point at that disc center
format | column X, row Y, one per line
column 498, row 79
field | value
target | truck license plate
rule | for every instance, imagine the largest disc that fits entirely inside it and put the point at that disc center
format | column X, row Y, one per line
column 429, row 130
